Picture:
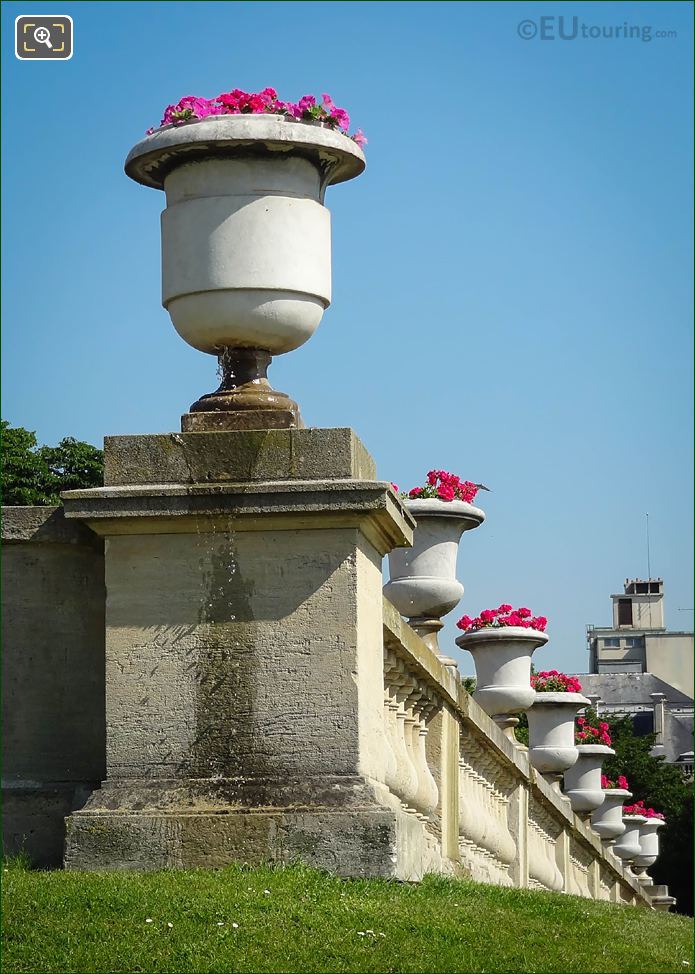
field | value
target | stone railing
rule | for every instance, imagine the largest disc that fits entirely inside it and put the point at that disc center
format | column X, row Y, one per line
column 489, row 814
column 245, row 692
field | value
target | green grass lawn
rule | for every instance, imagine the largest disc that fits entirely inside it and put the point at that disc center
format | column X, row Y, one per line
column 296, row 919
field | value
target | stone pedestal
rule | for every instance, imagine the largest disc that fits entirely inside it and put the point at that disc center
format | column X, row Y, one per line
column 244, row 681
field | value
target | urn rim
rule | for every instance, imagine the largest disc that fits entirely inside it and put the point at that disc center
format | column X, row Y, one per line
column 651, row 820
column 434, row 507
column 637, row 819
column 590, row 749
column 471, row 640
column 617, row 793
column 152, row 158
column 556, row 698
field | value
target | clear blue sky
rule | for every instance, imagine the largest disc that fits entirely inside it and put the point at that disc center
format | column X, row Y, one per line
column 512, row 274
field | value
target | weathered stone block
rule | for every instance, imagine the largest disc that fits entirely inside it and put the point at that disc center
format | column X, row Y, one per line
column 236, row 456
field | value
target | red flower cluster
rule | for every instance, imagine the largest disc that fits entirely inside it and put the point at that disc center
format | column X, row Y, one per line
column 550, row 681
column 445, row 487
column 504, row 616
column 586, row 734
column 639, row 809
column 621, row 782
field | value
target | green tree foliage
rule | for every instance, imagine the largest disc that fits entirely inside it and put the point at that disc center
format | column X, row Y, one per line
column 30, row 474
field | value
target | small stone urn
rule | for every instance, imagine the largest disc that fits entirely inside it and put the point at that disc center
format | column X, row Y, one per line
column 502, row 657
column 551, row 732
column 649, row 847
column 627, row 847
column 422, row 580
column 607, row 818
column 583, row 779
column 246, row 248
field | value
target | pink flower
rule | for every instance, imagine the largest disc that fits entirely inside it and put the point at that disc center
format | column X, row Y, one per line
column 342, row 118
column 237, row 101
column 622, row 782
column 445, row 492
column 150, row 131
column 292, row 109
column 464, row 622
column 524, row 613
column 415, row 492
column 505, row 607
column 395, row 487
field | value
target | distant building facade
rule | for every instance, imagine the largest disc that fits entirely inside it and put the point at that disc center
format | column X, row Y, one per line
column 640, row 668
column 638, row 641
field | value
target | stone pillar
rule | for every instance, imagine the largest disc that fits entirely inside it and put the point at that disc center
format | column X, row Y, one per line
column 53, row 724
column 659, row 717
column 443, row 750
column 244, row 673
column 518, row 823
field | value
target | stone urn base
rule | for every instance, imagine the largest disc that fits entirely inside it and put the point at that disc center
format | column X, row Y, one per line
column 245, row 399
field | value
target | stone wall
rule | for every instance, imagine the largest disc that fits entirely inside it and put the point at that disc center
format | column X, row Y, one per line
column 53, row 729
column 262, row 700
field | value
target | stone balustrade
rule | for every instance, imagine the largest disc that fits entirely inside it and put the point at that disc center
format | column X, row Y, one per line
column 491, row 815
column 260, row 699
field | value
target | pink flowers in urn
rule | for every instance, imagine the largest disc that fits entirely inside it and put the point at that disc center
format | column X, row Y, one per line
column 505, row 615
column 550, row 681
column 586, row 734
column 266, row 102
column 444, row 486
column 639, row 809
column 620, row 783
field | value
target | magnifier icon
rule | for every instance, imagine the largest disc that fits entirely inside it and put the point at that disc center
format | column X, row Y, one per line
column 42, row 35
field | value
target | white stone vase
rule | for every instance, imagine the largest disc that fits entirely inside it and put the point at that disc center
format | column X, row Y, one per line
column 649, row 847
column 583, row 780
column 246, row 241
column 246, row 248
column 607, row 818
column 627, row 847
column 422, row 579
column 551, row 731
column 502, row 657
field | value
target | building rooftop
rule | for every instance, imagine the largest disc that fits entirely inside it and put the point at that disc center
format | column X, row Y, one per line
column 630, row 689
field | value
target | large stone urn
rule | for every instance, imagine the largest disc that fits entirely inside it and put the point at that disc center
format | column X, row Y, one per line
column 583, row 779
column 246, row 248
column 502, row 657
column 422, row 580
column 607, row 818
column 649, row 847
column 551, row 732
column 627, row 847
